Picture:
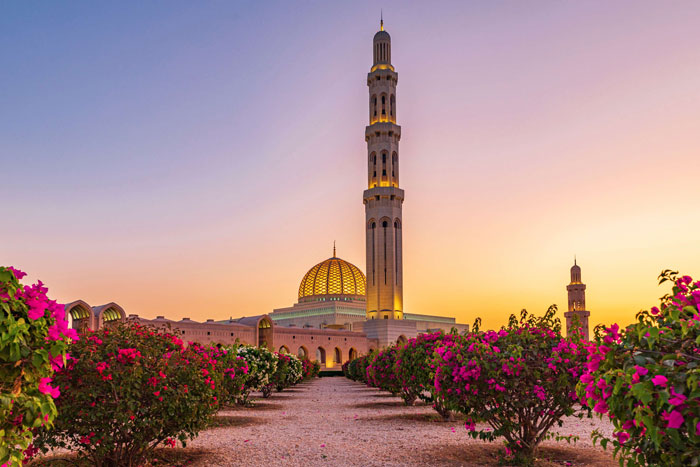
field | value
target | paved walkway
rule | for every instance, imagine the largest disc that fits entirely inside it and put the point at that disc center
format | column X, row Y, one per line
column 334, row 421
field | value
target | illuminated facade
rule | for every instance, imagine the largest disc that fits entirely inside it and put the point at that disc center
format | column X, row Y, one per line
column 577, row 302
column 383, row 197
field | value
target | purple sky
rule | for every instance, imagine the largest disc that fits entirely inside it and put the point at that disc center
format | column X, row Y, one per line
column 195, row 159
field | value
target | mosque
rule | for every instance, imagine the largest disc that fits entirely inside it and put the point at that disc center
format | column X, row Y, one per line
column 341, row 312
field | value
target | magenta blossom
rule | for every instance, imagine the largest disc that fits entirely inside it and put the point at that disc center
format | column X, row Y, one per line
column 45, row 388
column 659, row 380
column 675, row 419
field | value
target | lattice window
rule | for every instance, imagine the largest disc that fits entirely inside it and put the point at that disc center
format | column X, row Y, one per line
column 110, row 314
column 79, row 312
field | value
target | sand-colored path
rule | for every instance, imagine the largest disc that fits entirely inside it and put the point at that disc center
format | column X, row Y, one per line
column 334, row 421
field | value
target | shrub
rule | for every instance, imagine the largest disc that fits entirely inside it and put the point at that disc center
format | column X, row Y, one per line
column 230, row 371
column 645, row 378
column 128, row 389
column 287, row 374
column 519, row 380
column 357, row 368
column 415, row 370
column 310, row 369
column 262, row 364
column 380, row 374
column 32, row 346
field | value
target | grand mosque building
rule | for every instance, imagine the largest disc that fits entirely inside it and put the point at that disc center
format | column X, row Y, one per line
column 340, row 312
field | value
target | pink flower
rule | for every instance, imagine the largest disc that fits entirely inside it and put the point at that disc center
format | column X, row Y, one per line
column 18, row 274
column 677, row 399
column 45, row 388
column 697, row 429
column 622, row 436
column 600, row 407
column 674, row 419
column 659, row 380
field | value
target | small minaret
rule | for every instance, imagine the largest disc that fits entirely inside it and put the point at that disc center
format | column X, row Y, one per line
column 577, row 302
column 383, row 197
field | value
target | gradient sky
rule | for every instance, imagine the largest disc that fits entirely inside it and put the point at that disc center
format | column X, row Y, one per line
column 196, row 159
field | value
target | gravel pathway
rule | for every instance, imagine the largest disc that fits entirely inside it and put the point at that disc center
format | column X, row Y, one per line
column 334, row 421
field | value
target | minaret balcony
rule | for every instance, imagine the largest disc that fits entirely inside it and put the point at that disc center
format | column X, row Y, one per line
column 379, row 193
column 383, row 128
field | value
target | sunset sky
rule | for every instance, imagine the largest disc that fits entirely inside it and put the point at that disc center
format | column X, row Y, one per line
column 194, row 159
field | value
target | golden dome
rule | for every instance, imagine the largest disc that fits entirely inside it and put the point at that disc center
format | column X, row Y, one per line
column 333, row 279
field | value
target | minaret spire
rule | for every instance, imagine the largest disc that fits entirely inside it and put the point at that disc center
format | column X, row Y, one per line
column 577, row 303
column 383, row 198
column 334, row 248
column 381, row 19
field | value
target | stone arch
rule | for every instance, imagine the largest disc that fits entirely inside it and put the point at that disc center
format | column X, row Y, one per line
column 303, row 352
column 321, row 356
column 108, row 313
column 284, row 350
column 401, row 339
column 265, row 332
column 352, row 354
column 337, row 357
column 80, row 316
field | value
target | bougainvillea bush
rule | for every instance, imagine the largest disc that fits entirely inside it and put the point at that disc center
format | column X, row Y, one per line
column 126, row 390
column 230, row 371
column 310, row 369
column 357, row 368
column 645, row 378
column 288, row 373
column 415, row 370
column 262, row 364
column 520, row 380
column 381, row 374
column 33, row 333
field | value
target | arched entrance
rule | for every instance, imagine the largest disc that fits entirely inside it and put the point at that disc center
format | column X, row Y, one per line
column 302, row 353
column 284, row 349
column 321, row 356
column 265, row 333
column 337, row 357
column 352, row 354
column 401, row 340
column 79, row 316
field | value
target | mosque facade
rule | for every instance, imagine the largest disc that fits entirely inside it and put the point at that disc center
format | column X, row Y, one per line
column 340, row 312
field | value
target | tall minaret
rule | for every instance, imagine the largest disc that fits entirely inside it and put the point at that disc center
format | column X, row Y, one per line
column 577, row 302
column 383, row 198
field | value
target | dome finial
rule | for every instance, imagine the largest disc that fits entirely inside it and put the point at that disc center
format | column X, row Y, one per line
column 574, row 260
column 334, row 248
column 381, row 19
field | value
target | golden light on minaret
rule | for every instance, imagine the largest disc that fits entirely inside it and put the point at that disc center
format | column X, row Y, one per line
column 577, row 302
column 383, row 198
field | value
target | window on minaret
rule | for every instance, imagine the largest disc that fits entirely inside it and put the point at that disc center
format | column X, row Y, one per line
column 392, row 101
column 385, row 224
column 375, row 105
column 374, row 227
column 383, row 165
column 383, row 105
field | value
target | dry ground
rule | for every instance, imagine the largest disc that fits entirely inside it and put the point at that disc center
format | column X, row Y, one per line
column 337, row 422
